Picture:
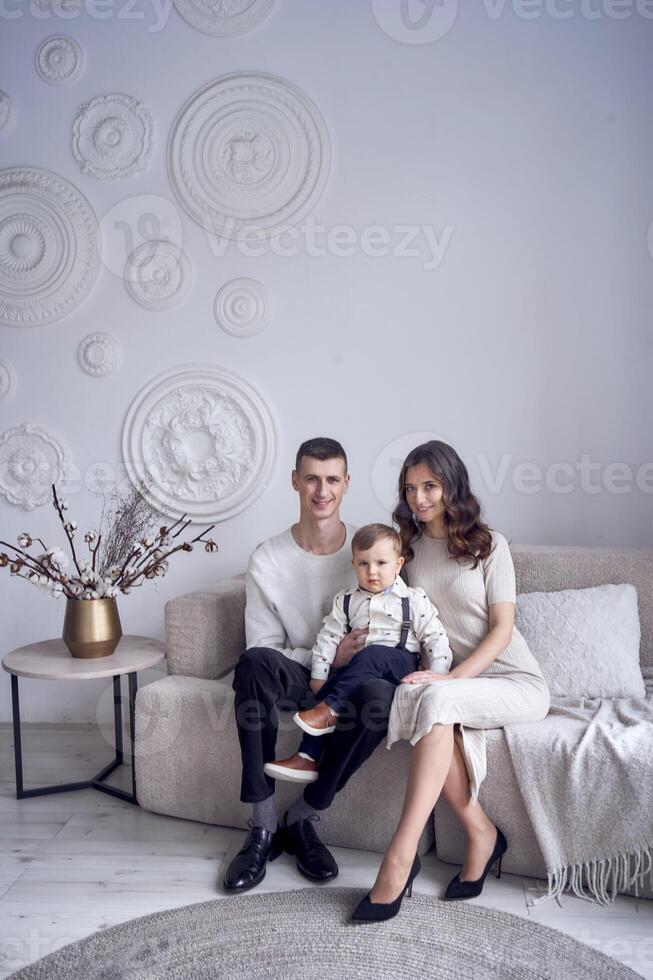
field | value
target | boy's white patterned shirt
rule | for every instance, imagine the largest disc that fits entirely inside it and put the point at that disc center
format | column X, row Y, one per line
column 382, row 614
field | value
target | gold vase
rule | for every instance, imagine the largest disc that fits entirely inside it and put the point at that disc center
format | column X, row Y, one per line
column 91, row 627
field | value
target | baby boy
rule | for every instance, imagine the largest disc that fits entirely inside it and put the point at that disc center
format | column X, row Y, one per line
column 402, row 623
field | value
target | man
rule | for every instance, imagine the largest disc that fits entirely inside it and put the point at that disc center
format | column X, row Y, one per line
column 291, row 581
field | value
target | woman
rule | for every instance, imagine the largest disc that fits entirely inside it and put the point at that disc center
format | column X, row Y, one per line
column 467, row 571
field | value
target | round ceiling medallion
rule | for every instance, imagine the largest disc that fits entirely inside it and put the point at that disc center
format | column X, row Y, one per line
column 242, row 307
column 99, row 354
column 6, row 109
column 31, row 460
column 48, row 246
column 59, row 60
column 224, row 18
column 248, row 151
column 203, row 439
column 7, row 381
column 112, row 137
column 158, row 274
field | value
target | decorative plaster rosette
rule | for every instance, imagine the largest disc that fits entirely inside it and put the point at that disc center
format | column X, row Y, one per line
column 99, row 354
column 31, row 460
column 158, row 274
column 224, row 18
column 48, row 246
column 242, row 307
column 59, row 60
column 6, row 109
column 112, row 136
column 206, row 440
column 248, row 150
column 7, row 381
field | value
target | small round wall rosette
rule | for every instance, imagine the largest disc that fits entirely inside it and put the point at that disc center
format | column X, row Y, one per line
column 59, row 60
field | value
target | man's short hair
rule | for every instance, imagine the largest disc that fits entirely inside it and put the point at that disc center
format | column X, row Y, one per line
column 367, row 536
column 320, row 448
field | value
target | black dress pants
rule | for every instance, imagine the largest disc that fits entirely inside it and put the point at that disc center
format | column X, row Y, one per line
column 266, row 681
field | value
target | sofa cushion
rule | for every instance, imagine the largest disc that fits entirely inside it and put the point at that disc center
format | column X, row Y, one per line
column 585, row 640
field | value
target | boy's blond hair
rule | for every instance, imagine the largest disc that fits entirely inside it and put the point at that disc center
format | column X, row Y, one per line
column 367, row 536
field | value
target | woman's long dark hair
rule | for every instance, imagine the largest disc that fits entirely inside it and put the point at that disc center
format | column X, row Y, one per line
column 469, row 538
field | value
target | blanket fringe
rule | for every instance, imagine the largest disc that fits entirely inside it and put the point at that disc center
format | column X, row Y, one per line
column 601, row 880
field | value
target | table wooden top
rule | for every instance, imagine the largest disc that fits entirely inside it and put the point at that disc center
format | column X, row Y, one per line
column 52, row 660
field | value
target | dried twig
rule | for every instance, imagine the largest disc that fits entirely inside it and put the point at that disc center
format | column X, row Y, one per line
column 121, row 556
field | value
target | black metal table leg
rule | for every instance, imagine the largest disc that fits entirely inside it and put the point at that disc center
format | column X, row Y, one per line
column 96, row 782
column 132, row 727
column 18, row 756
column 117, row 716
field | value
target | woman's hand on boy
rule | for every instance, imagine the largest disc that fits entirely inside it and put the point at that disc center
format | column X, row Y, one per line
column 348, row 646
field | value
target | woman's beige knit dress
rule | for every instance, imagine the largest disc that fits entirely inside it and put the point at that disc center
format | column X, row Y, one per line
column 511, row 689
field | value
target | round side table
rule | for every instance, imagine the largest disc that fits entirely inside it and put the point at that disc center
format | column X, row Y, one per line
column 51, row 660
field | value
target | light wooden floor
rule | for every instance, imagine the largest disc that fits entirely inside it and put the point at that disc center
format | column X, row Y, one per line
column 74, row 863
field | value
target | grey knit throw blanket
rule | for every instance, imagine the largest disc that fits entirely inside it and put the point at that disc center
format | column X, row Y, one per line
column 586, row 777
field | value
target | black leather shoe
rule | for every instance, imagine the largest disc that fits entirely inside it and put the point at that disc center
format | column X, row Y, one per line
column 248, row 867
column 314, row 861
column 470, row 889
column 368, row 911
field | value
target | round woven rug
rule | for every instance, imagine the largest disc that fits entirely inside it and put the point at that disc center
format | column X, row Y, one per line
column 307, row 934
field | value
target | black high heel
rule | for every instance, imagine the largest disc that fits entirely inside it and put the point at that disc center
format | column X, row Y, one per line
column 470, row 889
column 367, row 911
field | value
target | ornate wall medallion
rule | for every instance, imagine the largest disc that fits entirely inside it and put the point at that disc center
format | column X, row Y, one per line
column 6, row 109
column 7, row 381
column 248, row 151
column 158, row 274
column 59, row 60
column 112, row 136
column 205, row 438
column 48, row 246
column 224, row 18
column 31, row 460
column 99, row 354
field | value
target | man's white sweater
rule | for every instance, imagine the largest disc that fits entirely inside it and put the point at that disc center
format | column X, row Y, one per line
column 289, row 592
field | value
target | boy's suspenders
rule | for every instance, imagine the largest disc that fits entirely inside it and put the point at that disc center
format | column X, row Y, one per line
column 345, row 609
column 405, row 610
column 405, row 626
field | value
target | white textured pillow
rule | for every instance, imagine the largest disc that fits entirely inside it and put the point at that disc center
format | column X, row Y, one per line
column 585, row 640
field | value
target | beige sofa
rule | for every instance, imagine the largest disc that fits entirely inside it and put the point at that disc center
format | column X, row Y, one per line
column 187, row 752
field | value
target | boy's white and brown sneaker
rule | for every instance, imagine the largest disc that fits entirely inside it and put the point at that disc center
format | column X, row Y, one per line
column 295, row 769
column 320, row 720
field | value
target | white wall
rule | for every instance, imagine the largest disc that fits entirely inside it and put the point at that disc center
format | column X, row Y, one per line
column 530, row 140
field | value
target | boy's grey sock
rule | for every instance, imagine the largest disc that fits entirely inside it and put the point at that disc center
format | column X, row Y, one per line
column 264, row 814
column 300, row 810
